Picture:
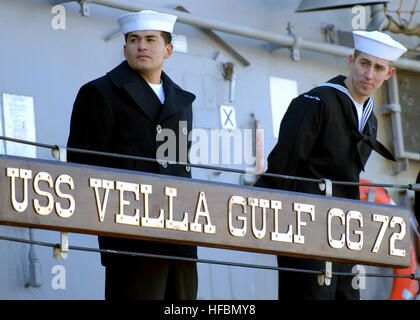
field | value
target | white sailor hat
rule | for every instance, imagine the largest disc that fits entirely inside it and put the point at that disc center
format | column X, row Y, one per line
column 146, row 20
column 378, row 44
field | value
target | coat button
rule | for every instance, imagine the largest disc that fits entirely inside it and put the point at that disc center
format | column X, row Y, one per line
column 187, row 168
column 165, row 165
column 158, row 128
column 184, row 130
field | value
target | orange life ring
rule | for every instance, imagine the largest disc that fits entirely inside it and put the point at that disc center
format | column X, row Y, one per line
column 405, row 288
column 381, row 196
column 402, row 288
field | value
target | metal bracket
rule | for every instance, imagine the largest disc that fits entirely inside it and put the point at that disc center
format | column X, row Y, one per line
column 326, row 276
column 84, row 8
column 400, row 166
column 35, row 279
column 229, row 73
column 84, row 5
column 326, row 186
column 415, row 187
column 61, row 251
column 372, row 194
column 218, row 39
column 59, row 153
column 294, row 48
column 415, row 276
column 390, row 108
column 329, row 32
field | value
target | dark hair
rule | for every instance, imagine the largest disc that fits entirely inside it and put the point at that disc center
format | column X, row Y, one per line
column 167, row 37
column 357, row 52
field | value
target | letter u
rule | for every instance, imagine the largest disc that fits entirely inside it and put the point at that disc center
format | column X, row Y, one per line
column 25, row 175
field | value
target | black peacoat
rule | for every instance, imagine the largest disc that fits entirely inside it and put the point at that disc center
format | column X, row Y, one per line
column 120, row 113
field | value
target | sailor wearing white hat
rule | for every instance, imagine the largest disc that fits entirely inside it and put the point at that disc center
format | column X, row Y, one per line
column 378, row 44
column 329, row 132
column 126, row 112
column 146, row 20
column 370, row 66
column 148, row 43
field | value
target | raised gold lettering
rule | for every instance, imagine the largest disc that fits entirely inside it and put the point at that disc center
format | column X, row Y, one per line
column 397, row 236
column 64, row 213
column 171, row 193
column 103, row 184
column 302, row 208
column 276, row 235
column 120, row 217
column 237, row 232
column 44, row 211
column 353, row 245
column 382, row 230
column 334, row 212
column 14, row 173
column 263, row 204
column 197, row 227
column 147, row 221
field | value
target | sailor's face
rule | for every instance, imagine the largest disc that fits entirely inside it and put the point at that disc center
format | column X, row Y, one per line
column 146, row 51
column 367, row 74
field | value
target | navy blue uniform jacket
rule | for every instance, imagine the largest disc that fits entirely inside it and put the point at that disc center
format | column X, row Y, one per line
column 120, row 113
column 319, row 138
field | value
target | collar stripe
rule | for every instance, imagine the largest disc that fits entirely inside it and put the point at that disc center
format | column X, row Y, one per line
column 366, row 110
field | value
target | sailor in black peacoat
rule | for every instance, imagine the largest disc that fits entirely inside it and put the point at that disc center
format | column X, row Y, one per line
column 121, row 113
